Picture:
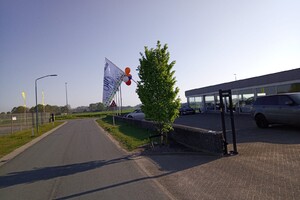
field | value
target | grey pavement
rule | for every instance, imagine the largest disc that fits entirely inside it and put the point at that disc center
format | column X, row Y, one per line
column 77, row 161
column 267, row 166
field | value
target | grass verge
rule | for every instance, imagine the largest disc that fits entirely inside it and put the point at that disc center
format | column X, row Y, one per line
column 9, row 143
column 129, row 136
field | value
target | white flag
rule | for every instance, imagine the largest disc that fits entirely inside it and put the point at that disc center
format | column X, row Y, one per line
column 24, row 98
column 112, row 79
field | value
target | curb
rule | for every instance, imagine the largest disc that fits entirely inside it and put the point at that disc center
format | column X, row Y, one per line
column 21, row 149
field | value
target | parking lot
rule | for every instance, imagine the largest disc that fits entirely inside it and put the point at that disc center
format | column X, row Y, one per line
column 246, row 129
column 267, row 166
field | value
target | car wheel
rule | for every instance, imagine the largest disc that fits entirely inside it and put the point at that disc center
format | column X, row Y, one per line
column 261, row 121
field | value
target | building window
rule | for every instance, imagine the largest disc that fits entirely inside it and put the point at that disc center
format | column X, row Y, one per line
column 246, row 102
column 209, row 103
column 295, row 87
column 283, row 88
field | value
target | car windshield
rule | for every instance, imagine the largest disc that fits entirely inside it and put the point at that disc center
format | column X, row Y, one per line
column 296, row 98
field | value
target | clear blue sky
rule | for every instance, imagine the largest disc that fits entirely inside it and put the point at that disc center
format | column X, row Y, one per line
column 210, row 41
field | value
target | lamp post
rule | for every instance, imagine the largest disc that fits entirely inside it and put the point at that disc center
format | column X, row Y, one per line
column 36, row 105
column 66, row 85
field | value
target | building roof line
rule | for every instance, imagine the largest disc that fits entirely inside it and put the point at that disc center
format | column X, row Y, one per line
column 268, row 79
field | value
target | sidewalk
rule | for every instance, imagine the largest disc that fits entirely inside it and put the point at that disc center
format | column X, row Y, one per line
column 267, row 167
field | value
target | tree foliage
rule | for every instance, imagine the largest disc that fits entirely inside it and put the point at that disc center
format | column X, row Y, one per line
column 97, row 107
column 19, row 109
column 47, row 108
column 156, row 88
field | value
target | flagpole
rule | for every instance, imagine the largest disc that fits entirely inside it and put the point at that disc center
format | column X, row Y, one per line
column 119, row 100
column 114, row 113
column 121, row 97
column 134, row 81
column 25, row 117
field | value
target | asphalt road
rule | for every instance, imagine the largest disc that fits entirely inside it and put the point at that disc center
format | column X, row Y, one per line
column 77, row 161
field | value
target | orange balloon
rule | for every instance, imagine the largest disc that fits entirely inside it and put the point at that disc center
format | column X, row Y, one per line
column 127, row 70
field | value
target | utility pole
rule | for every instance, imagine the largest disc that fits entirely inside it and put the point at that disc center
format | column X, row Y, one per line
column 66, row 86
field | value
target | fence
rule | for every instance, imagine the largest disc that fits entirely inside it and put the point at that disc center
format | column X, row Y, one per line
column 10, row 123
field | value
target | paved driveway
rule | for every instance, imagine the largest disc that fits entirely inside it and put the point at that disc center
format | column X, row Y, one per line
column 267, row 166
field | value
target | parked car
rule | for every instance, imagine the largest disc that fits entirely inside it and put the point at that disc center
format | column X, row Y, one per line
column 137, row 114
column 277, row 109
column 246, row 105
column 184, row 110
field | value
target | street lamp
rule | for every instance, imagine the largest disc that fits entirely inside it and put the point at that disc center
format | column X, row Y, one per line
column 66, row 84
column 36, row 105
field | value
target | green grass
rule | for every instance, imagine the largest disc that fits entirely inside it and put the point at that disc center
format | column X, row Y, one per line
column 9, row 143
column 89, row 115
column 80, row 116
column 129, row 136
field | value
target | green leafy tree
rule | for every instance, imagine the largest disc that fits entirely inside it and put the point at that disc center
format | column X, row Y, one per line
column 19, row 109
column 48, row 108
column 156, row 88
column 64, row 109
column 100, row 106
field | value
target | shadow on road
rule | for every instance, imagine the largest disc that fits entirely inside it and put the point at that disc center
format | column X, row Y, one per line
column 46, row 173
column 167, row 167
column 166, row 163
column 176, row 163
column 277, row 134
column 104, row 188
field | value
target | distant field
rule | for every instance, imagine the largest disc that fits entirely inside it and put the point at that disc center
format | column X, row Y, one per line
column 90, row 114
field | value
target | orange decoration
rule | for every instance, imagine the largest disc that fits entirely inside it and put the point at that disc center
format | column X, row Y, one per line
column 127, row 70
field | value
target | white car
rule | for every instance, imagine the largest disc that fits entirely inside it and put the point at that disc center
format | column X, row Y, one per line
column 277, row 109
column 137, row 114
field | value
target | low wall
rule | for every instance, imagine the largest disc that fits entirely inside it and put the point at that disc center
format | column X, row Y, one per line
column 198, row 139
column 195, row 138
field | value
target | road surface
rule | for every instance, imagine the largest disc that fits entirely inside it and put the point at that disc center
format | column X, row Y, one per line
column 77, row 161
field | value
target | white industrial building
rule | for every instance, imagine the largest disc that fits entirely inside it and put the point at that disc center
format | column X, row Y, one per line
column 245, row 91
